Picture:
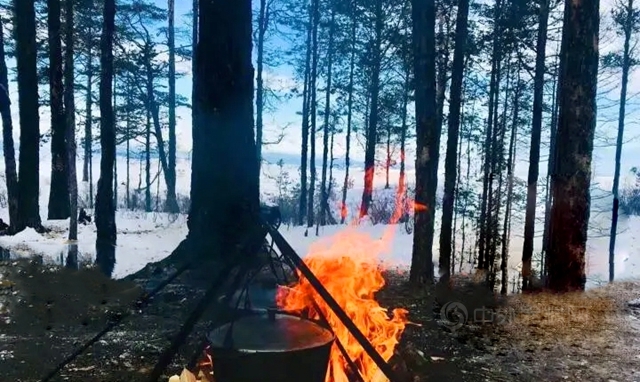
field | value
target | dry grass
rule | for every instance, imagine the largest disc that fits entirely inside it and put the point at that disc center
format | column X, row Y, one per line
column 570, row 316
column 576, row 335
column 560, row 315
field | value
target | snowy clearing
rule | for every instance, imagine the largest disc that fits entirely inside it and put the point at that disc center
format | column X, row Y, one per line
column 149, row 237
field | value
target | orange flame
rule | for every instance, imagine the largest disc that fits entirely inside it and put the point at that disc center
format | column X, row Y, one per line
column 349, row 268
column 343, row 211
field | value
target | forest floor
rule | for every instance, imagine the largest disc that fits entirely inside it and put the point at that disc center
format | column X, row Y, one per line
column 46, row 312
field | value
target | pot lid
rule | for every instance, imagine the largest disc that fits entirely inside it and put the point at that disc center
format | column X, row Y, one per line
column 271, row 333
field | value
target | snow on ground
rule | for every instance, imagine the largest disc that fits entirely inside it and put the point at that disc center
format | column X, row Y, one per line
column 147, row 237
column 144, row 238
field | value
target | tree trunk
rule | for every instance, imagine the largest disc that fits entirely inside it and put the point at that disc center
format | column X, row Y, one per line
column 194, row 48
column 453, row 132
column 70, row 119
column 105, row 212
column 574, row 147
column 262, row 30
column 456, row 203
column 485, row 209
column 11, row 174
column 115, row 157
column 347, row 158
column 372, row 126
column 387, row 162
column 29, row 155
column 427, row 140
column 465, row 205
column 495, row 195
column 302, row 210
column 154, row 109
column 626, row 66
column 87, row 171
column 220, row 218
column 550, row 166
column 331, row 180
column 115, row 180
column 136, row 194
column 402, row 182
column 534, row 151
column 157, row 207
column 171, row 202
column 511, row 162
column 59, row 191
column 87, row 130
column 324, row 202
column 128, row 141
column 147, row 167
column 313, row 111
column 442, row 63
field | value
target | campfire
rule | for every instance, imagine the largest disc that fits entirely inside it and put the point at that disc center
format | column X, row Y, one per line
column 349, row 266
column 349, row 269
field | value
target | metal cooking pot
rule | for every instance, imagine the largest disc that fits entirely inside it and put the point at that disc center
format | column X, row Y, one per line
column 271, row 347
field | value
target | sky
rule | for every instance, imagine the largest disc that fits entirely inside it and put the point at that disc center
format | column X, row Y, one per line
column 286, row 114
column 604, row 151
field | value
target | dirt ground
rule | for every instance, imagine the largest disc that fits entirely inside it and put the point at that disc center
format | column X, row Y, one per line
column 46, row 312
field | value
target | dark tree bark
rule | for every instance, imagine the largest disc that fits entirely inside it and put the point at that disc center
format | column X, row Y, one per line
column 574, row 147
column 534, row 151
column 497, row 163
column 324, row 197
column 105, row 209
column 372, row 125
column 70, row 125
column 10, row 171
column 304, row 151
column 87, row 170
column 263, row 22
column 147, row 164
column 387, row 162
column 331, row 179
column 172, row 201
column 194, row 48
column 313, row 106
column 456, row 200
column 128, row 98
column 443, row 14
column 628, row 29
column 89, row 115
column 59, row 191
column 29, row 160
column 154, row 109
column 453, row 132
column 115, row 157
column 402, row 182
column 511, row 162
column 221, row 217
column 553, row 128
column 484, row 240
column 427, row 140
column 465, row 202
column 347, row 158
